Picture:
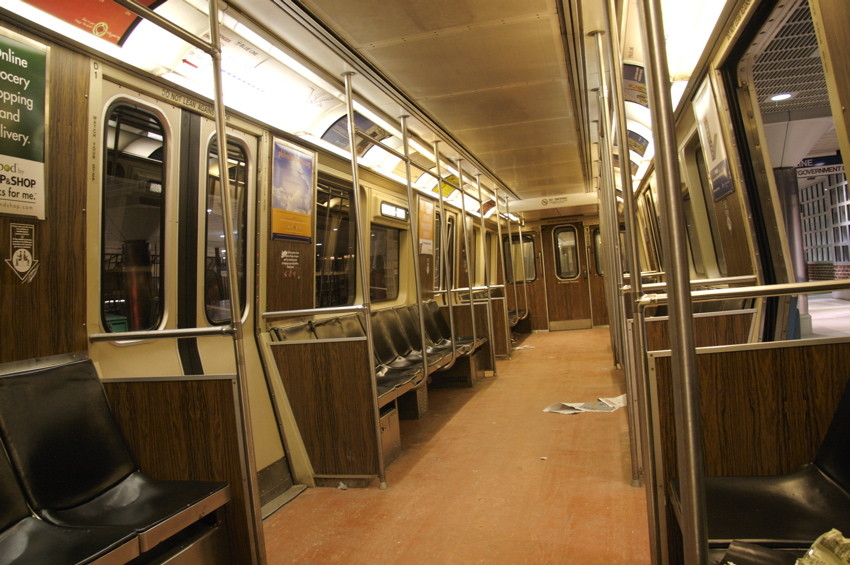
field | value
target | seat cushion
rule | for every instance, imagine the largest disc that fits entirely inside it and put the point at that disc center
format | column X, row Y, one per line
column 137, row 502
column 33, row 541
column 776, row 511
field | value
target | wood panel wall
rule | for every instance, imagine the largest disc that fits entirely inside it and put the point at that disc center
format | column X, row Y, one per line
column 714, row 329
column 763, row 411
column 189, row 429
column 47, row 316
column 291, row 270
column 329, row 387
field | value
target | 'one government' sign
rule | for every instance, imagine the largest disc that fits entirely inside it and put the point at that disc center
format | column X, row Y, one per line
column 23, row 68
column 818, row 166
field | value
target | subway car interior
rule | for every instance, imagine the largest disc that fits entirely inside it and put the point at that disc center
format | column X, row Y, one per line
column 430, row 313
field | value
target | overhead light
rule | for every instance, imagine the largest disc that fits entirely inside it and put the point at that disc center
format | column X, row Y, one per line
column 781, row 97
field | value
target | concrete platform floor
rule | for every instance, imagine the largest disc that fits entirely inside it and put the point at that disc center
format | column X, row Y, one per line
column 487, row 477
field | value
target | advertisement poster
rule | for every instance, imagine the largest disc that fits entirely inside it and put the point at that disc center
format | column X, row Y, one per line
column 634, row 85
column 106, row 20
column 293, row 182
column 426, row 226
column 23, row 93
column 711, row 138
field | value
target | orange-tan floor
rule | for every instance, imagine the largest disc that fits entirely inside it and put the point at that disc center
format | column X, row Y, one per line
column 487, row 477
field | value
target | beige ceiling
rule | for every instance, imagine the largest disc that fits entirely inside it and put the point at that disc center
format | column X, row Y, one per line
column 493, row 73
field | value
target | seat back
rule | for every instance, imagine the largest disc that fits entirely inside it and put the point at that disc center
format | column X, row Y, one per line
column 392, row 325
column 410, row 323
column 435, row 325
column 832, row 457
column 385, row 352
column 61, row 436
column 295, row 332
column 13, row 506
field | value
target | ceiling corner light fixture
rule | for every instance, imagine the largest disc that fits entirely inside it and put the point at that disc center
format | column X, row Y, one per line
column 781, row 97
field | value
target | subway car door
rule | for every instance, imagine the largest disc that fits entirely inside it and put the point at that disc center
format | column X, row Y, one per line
column 205, row 298
column 567, row 285
column 132, row 226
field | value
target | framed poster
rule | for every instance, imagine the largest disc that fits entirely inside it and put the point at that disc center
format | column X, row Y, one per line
column 426, row 226
column 293, row 190
column 106, row 20
column 23, row 122
column 711, row 138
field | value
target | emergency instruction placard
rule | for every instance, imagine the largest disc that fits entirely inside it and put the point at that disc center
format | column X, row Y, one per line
column 23, row 72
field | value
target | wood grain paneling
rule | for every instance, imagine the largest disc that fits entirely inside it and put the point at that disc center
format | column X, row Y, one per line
column 763, row 411
column 291, row 270
column 189, row 429
column 47, row 316
column 715, row 329
column 329, row 387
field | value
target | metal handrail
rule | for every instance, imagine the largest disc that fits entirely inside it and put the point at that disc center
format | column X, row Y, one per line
column 698, row 282
column 311, row 311
column 751, row 291
column 162, row 334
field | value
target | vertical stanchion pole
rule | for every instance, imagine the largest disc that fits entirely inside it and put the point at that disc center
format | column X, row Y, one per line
column 469, row 252
column 639, row 407
column 364, row 279
column 513, row 267
column 256, row 540
column 524, row 268
column 502, row 261
column 414, row 243
column 686, row 385
column 448, row 273
column 612, row 231
column 486, row 255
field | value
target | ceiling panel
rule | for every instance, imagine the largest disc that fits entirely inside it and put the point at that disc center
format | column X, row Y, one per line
column 492, row 73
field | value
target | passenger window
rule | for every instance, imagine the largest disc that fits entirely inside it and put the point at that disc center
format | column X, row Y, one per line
column 335, row 242
column 216, row 271
column 566, row 253
column 439, row 279
column 514, row 254
column 133, row 218
column 384, row 263
column 597, row 252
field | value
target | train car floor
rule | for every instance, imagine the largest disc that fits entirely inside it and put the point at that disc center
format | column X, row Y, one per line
column 487, row 477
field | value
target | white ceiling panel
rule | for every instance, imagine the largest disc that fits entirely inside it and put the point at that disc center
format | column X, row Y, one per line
column 492, row 73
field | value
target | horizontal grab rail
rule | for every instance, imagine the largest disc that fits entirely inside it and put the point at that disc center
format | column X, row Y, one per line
column 312, row 311
column 698, row 282
column 750, row 292
column 162, row 334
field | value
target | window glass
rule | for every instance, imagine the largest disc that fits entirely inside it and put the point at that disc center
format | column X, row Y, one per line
column 216, row 261
column 383, row 261
column 566, row 252
column 521, row 257
column 597, row 252
column 133, row 212
column 708, row 196
column 335, row 245
column 441, row 275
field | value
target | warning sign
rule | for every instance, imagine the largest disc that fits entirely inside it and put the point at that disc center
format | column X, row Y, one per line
column 22, row 252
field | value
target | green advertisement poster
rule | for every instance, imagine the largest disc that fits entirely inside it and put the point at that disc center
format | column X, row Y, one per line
column 23, row 72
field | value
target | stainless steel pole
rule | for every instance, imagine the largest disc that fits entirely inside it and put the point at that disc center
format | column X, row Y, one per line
column 414, row 243
column 486, row 256
column 686, row 387
column 469, row 252
column 447, row 273
column 639, row 404
column 501, row 250
column 364, row 279
column 612, row 226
